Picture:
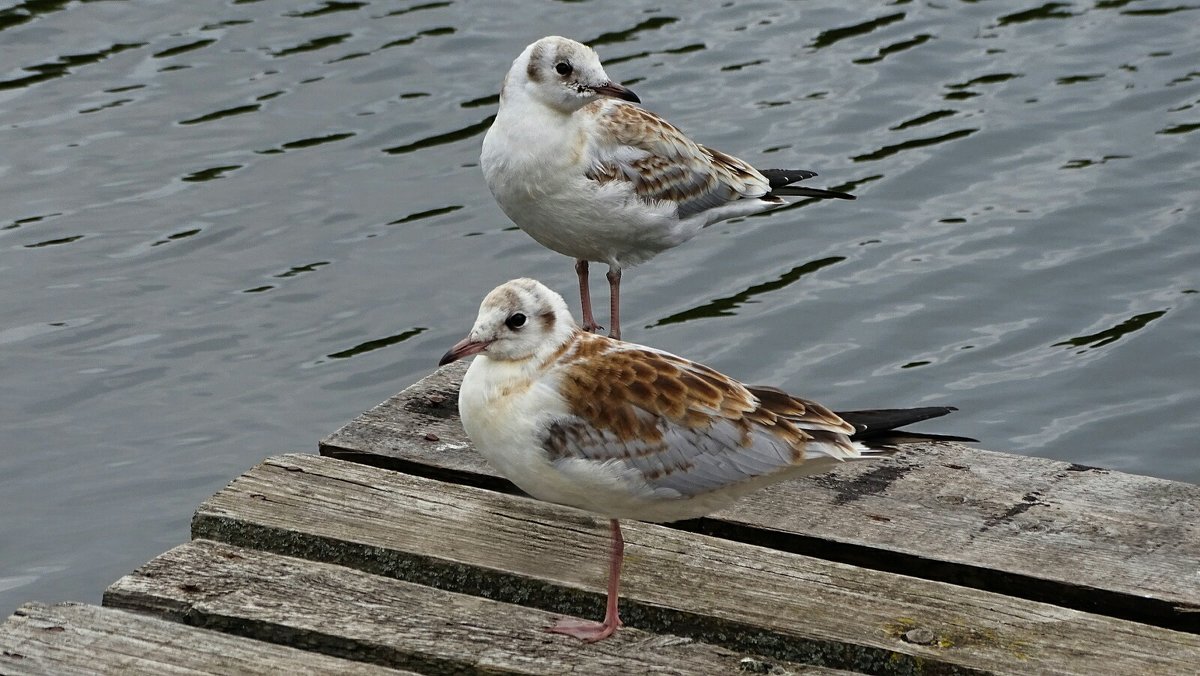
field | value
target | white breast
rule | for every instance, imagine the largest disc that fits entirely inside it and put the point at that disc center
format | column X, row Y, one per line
column 535, row 164
column 503, row 412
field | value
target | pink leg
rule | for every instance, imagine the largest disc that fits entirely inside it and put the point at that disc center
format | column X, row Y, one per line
column 614, row 301
column 585, row 296
column 587, row 630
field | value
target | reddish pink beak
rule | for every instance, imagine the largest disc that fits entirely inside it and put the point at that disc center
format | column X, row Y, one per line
column 463, row 348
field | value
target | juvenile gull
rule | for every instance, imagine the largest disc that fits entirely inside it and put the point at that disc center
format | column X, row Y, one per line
column 631, row 432
column 579, row 166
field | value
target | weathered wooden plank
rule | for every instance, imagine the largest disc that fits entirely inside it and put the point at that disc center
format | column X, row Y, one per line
column 1082, row 537
column 749, row 598
column 341, row 611
column 72, row 638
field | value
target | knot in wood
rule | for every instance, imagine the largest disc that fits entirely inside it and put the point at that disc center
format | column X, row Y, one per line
column 920, row 636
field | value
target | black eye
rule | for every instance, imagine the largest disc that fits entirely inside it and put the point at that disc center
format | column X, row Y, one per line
column 563, row 68
column 515, row 321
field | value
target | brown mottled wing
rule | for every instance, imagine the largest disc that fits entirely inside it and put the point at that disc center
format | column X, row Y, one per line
column 683, row 426
column 661, row 164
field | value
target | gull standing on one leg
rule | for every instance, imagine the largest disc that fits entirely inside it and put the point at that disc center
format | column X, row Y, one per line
column 631, row 432
column 579, row 166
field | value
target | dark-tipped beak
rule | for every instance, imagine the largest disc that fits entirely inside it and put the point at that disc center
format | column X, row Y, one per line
column 617, row 92
column 463, row 348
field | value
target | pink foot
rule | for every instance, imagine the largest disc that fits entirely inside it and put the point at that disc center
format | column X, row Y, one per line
column 584, row 630
column 592, row 327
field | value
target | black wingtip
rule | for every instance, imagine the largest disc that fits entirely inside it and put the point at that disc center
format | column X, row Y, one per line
column 778, row 178
column 781, row 181
column 883, row 425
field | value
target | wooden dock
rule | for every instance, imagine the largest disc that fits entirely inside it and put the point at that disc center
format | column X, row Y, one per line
column 400, row 551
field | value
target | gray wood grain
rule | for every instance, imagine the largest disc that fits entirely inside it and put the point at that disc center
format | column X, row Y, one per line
column 341, row 611
column 72, row 638
column 1087, row 538
column 749, row 598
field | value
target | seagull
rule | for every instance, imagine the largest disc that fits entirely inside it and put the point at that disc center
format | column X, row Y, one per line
column 577, row 164
column 630, row 432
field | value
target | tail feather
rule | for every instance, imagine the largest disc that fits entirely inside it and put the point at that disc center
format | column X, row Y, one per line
column 781, row 181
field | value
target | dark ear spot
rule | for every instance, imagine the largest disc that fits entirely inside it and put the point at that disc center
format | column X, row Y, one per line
column 534, row 70
column 547, row 319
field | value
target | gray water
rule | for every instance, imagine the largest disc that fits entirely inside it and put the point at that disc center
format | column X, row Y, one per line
column 228, row 228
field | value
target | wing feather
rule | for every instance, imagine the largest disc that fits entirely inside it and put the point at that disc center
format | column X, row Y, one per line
column 661, row 164
column 681, row 426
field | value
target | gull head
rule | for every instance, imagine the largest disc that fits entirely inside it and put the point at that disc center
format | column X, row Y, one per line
column 562, row 74
column 519, row 320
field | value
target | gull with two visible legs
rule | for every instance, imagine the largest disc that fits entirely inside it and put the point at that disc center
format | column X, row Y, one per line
column 577, row 164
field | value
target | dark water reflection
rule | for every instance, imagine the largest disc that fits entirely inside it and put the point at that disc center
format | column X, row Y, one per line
column 227, row 229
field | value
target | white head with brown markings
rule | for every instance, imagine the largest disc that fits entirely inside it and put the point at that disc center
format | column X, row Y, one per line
column 519, row 320
column 563, row 74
